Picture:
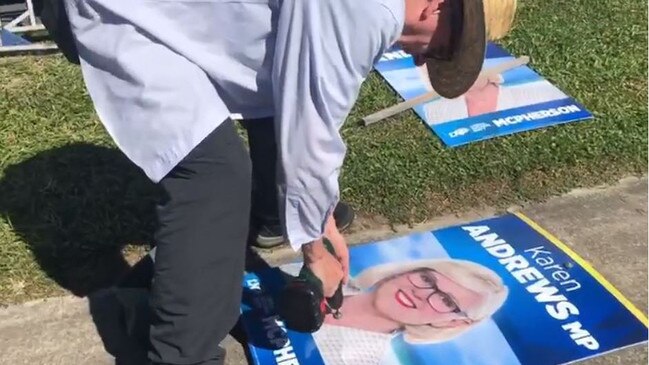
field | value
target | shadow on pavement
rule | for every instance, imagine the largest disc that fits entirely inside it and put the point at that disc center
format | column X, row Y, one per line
column 120, row 313
column 76, row 207
column 124, row 340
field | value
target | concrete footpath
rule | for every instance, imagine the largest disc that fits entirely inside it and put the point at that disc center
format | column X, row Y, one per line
column 606, row 226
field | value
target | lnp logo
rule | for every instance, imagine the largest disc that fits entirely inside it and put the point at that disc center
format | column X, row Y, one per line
column 479, row 127
column 459, row 132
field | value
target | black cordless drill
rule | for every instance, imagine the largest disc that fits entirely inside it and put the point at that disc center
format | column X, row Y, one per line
column 302, row 305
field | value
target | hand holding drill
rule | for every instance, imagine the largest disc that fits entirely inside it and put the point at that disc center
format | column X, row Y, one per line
column 317, row 291
column 330, row 267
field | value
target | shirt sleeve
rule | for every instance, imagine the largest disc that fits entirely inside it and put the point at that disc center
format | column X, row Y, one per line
column 323, row 51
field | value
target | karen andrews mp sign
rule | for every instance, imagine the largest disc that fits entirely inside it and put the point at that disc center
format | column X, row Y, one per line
column 500, row 291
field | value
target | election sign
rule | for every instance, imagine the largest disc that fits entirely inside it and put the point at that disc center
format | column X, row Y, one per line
column 496, row 291
column 512, row 101
column 8, row 38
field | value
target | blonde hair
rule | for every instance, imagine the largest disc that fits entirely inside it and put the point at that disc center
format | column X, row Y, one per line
column 468, row 274
column 499, row 17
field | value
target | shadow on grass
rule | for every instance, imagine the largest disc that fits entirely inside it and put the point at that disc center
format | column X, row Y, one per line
column 76, row 207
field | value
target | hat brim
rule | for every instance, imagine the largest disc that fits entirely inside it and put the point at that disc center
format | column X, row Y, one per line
column 453, row 77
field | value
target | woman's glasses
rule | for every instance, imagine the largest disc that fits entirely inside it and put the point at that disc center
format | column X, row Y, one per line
column 439, row 300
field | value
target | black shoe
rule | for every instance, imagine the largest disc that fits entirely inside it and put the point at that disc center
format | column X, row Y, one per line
column 344, row 216
column 269, row 236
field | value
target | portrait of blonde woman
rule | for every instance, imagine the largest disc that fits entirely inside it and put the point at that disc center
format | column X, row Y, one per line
column 488, row 94
column 508, row 90
column 425, row 301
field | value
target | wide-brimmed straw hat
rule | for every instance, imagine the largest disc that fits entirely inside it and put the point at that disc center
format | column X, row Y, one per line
column 454, row 69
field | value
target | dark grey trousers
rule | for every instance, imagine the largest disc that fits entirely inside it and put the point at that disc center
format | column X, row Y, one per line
column 263, row 154
column 200, row 243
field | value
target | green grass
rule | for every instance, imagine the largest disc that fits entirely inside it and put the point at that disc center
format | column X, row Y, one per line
column 594, row 51
column 70, row 202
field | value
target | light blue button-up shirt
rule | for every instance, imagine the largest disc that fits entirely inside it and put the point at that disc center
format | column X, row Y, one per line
column 163, row 74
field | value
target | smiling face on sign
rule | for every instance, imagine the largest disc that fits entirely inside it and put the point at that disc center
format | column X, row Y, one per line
column 426, row 297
